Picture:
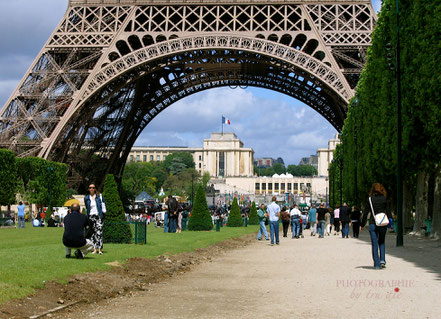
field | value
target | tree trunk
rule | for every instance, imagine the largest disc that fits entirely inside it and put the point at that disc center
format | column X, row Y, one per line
column 421, row 203
column 436, row 221
column 408, row 195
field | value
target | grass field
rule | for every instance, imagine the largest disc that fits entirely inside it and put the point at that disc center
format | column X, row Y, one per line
column 29, row 257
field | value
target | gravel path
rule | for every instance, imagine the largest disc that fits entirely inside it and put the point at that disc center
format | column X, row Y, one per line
column 306, row 278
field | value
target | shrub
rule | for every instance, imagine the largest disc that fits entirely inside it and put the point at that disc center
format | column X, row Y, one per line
column 8, row 177
column 235, row 219
column 253, row 219
column 115, row 228
column 200, row 218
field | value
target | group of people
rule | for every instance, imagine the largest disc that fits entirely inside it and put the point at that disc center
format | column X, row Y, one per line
column 176, row 216
column 84, row 233
column 321, row 219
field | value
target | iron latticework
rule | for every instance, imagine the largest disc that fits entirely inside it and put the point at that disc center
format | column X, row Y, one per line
column 112, row 65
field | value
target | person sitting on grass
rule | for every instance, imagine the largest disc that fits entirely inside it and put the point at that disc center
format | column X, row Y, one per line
column 75, row 227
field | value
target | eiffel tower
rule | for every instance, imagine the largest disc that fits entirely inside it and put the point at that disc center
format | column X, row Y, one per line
column 111, row 66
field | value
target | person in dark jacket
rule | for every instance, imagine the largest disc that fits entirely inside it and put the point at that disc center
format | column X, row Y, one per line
column 355, row 220
column 172, row 205
column 284, row 214
column 76, row 225
column 345, row 218
column 378, row 195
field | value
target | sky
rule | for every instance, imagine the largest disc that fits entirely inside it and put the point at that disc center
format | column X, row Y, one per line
column 271, row 123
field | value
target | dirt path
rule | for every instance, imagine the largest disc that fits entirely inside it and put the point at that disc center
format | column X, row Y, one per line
column 310, row 278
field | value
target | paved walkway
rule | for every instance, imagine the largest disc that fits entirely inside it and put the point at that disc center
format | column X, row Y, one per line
column 305, row 278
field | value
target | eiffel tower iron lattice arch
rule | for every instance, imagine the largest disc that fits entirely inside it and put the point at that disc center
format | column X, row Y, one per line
column 112, row 65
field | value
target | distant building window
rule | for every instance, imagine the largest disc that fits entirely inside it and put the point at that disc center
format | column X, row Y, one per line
column 151, row 157
column 257, row 186
column 200, row 157
column 264, row 186
column 145, row 158
column 276, row 186
column 163, row 158
column 131, row 158
column 158, row 157
column 302, row 186
column 138, row 158
column 282, row 187
column 200, row 165
column 296, row 186
column 308, row 185
column 289, row 187
column 270, row 186
column 268, row 162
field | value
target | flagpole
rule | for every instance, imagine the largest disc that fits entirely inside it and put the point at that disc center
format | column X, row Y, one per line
column 222, row 125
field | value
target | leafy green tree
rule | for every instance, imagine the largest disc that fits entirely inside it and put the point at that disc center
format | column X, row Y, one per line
column 42, row 180
column 235, row 219
column 178, row 161
column 253, row 219
column 8, row 177
column 137, row 177
column 115, row 228
column 301, row 170
column 200, row 218
column 279, row 168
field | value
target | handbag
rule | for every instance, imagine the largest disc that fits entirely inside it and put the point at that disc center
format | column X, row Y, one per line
column 381, row 218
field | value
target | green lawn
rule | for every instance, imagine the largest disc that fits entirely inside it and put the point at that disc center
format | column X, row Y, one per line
column 31, row 256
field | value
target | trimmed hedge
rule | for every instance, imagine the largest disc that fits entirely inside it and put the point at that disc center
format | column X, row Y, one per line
column 115, row 228
column 200, row 218
column 235, row 219
column 253, row 219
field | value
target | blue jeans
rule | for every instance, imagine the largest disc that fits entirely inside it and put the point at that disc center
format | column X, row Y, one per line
column 165, row 222
column 21, row 222
column 172, row 225
column 321, row 228
column 262, row 230
column 378, row 240
column 295, row 227
column 344, row 229
column 274, row 228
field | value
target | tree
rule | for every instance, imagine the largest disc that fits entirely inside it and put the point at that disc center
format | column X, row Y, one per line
column 137, row 177
column 200, row 218
column 301, row 170
column 253, row 219
column 235, row 219
column 178, row 162
column 42, row 181
column 8, row 177
column 115, row 228
column 279, row 168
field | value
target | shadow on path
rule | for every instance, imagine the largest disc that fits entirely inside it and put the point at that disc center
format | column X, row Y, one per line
column 423, row 252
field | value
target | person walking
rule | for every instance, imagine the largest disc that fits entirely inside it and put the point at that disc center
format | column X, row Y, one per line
column 356, row 221
column 285, row 221
column 77, row 231
column 337, row 220
column 328, row 223
column 172, row 205
column 95, row 208
column 274, row 215
column 380, row 204
column 321, row 212
column 345, row 218
column 304, row 222
column 21, row 215
column 312, row 217
column 295, row 221
column 261, row 213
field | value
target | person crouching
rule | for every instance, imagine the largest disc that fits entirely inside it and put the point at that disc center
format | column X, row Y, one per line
column 75, row 227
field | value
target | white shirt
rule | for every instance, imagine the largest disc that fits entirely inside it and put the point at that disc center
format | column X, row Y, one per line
column 295, row 212
column 273, row 210
column 93, row 208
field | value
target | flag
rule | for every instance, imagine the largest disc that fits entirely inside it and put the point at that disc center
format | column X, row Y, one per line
column 225, row 120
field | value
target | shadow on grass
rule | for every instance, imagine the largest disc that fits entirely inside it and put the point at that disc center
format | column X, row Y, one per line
column 422, row 252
